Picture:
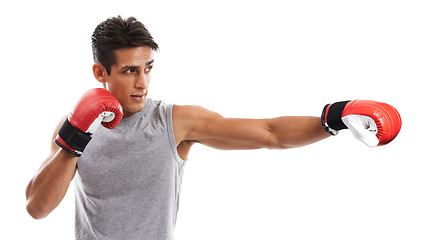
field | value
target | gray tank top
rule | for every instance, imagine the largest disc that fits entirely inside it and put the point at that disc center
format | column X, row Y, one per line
column 128, row 179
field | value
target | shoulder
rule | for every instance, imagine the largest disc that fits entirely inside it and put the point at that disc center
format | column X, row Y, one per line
column 193, row 113
column 188, row 118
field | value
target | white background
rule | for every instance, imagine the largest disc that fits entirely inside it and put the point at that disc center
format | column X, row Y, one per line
column 252, row 59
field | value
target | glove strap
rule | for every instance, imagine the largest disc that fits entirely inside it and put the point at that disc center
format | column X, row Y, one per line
column 75, row 138
column 331, row 117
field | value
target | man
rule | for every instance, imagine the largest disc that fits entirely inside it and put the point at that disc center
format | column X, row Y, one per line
column 128, row 173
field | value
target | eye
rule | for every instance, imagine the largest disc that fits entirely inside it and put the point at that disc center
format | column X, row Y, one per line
column 148, row 68
column 129, row 71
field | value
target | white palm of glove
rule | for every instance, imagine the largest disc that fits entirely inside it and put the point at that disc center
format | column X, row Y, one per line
column 362, row 128
column 105, row 116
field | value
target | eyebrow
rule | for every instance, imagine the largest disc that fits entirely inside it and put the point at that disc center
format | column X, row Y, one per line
column 131, row 67
column 150, row 62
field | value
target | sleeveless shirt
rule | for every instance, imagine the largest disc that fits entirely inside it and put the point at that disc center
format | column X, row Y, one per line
column 128, row 179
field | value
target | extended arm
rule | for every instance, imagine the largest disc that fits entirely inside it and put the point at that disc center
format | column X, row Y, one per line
column 373, row 123
column 200, row 125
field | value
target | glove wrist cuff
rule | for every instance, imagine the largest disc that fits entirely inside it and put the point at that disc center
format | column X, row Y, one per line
column 331, row 117
column 72, row 139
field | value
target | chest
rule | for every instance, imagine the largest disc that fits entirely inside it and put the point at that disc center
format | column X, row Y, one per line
column 126, row 160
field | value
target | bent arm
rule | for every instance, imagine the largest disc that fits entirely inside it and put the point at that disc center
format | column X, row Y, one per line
column 213, row 130
column 49, row 185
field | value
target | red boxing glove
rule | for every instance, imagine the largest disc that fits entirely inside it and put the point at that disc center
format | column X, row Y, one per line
column 373, row 123
column 97, row 106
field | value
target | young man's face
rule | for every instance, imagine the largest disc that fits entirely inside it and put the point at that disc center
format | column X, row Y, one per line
column 130, row 78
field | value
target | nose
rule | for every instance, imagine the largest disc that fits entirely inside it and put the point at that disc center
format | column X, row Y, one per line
column 141, row 81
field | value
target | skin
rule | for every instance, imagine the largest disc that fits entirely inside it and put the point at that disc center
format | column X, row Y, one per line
column 129, row 82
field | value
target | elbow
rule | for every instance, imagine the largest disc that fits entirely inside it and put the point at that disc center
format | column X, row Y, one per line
column 282, row 142
column 284, row 146
column 275, row 140
column 276, row 144
column 31, row 207
column 36, row 212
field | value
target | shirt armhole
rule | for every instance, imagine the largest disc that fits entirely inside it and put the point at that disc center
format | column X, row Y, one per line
column 171, row 135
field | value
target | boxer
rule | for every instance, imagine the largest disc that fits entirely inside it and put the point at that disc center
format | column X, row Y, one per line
column 126, row 152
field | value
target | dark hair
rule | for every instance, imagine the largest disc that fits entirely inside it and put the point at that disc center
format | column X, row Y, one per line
column 118, row 33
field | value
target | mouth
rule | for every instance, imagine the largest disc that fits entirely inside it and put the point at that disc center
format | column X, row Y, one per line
column 137, row 95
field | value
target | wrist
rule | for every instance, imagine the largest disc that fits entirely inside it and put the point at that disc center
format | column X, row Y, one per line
column 72, row 139
column 331, row 117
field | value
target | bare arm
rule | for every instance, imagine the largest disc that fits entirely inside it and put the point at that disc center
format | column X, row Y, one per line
column 200, row 125
column 49, row 186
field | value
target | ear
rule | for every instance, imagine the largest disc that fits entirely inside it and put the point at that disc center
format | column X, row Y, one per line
column 100, row 73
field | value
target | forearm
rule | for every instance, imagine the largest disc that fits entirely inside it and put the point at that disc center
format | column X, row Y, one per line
column 49, row 186
column 291, row 132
